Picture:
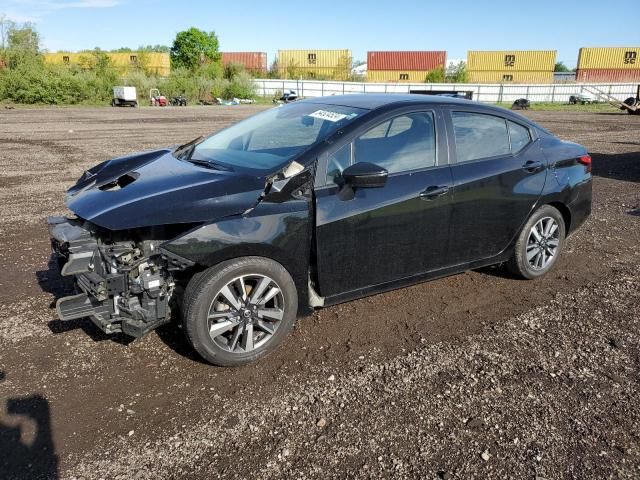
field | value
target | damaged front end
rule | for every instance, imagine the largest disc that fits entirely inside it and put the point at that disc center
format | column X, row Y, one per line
column 124, row 283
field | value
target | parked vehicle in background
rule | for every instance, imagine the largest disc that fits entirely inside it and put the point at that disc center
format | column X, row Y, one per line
column 632, row 104
column 179, row 101
column 286, row 97
column 124, row 97
column 521, row 104
column 582, row 98
column 156, row 99
column 311, row 204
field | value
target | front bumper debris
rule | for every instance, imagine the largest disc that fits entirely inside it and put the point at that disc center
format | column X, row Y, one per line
column 118, row 285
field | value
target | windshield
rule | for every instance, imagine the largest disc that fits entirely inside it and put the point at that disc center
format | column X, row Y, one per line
column 272, row 138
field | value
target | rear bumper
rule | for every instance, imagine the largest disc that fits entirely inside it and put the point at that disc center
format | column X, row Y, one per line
column 580, row 208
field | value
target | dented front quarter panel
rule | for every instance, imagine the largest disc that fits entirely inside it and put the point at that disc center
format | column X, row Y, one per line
column 279, row 227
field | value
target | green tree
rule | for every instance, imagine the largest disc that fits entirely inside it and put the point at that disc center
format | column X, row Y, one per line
column 24, row 38
column 274, row 69
column 561, row 67
column 232, row 69
column 154, row 48
column 22, row 45
column 193, row 48
column 5, row 26
column 435, row 76
column 458, row 73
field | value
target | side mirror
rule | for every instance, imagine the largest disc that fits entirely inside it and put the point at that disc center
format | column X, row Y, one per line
column 365, row 175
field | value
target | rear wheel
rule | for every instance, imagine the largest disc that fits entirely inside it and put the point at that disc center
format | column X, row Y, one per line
column 539, row 244
column 240, row 310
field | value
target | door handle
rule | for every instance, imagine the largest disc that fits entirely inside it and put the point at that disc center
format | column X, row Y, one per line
column 434, row 191
column 533, row 166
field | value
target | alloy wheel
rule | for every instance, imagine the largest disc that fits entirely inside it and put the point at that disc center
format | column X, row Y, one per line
column 245, row 314
column 543, row 242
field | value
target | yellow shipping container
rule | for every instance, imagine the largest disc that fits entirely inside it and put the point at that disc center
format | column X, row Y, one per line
column 152, row 62
column 509, row 76
column 401, row 76
column 609, row 57
column 335, row 64
column 513, row 60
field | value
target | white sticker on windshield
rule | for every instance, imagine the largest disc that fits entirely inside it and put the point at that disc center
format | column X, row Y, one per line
column 326, row 115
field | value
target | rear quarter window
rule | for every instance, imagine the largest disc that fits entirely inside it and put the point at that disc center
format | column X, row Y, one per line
column 520, row 136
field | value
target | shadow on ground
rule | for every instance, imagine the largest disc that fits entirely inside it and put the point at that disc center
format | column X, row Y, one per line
column 26, row 443
column 618, row 166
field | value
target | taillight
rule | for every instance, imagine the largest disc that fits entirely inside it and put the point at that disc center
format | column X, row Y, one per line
column 586, row 161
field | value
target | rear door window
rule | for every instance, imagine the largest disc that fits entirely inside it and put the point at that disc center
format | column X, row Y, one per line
column 478, row 135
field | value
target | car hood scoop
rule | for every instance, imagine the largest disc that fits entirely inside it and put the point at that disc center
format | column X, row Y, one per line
column 155, row 188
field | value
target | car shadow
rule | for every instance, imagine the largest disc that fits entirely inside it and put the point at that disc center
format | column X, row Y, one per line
column 26, row 441
column 172, row 335
column 617, row 166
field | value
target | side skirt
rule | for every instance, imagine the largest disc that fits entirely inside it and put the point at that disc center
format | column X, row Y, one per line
column 405, row 282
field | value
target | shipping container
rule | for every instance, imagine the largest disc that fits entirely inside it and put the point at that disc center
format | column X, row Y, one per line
column 397, row 76
column 252, row 61
column 512, row 60
column 333, row 64
column 152, row 62
column 608, row 75
column 407, row 60
column 609, row 58
column 510, row 76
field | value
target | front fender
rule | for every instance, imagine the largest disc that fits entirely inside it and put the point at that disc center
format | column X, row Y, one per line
column 280, row 231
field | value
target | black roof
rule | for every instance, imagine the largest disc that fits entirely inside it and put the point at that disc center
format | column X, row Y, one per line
column 372, row 101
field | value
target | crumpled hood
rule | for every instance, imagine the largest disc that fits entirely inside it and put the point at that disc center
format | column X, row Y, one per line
column 155, row 188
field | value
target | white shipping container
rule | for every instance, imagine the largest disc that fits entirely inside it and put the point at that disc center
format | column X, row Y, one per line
column 127, row 94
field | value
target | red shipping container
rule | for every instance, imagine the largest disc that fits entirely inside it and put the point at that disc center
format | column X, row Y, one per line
column 406, row 60
column 608, row 75
column 254, row 61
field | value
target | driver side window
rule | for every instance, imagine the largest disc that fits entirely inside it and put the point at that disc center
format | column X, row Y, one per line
column 403, row 143
column 406, row 142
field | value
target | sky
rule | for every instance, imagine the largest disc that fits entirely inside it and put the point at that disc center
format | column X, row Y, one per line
column 250, row 25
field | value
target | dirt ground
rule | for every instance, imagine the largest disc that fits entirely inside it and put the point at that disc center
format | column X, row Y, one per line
column 475, row 375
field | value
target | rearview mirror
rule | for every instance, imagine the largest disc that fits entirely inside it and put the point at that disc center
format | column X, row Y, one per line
column 365, row 174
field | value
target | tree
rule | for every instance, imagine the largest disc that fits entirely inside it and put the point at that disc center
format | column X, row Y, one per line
column 457, row 73
column 5, row 26
column 561, row 67
column 435, row 76
column 24, row 38
column 193, row 48
column 22, row 44
column 232, row 69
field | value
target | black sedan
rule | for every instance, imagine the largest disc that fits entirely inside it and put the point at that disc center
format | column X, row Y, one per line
column 311, row 204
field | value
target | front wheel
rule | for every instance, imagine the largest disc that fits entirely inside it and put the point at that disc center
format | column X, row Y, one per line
column 239, row 310
column 539, row 244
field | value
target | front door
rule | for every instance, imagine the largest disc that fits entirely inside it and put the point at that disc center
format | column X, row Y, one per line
column 371, row 236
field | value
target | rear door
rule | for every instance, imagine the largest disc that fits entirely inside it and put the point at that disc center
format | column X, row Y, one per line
column 498, row 173
column 372, row 236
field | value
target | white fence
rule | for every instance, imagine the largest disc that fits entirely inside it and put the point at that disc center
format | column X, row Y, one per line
column 554, row 92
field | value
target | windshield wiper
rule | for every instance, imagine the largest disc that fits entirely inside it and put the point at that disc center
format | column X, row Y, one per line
column 185, row 151
column 208, row 164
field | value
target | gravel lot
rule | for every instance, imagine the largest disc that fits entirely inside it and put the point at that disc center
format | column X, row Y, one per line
column 476, row 375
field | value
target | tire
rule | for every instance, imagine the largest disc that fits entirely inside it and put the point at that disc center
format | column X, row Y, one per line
column 233, row 333
column 532, row 257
